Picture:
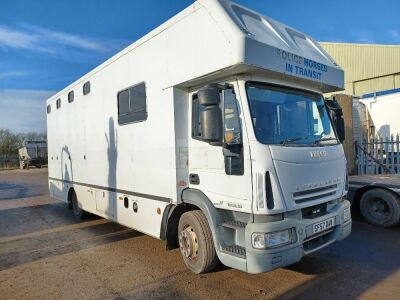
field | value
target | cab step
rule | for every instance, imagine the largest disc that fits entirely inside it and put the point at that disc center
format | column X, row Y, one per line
column 234, row 224
column 235, row 250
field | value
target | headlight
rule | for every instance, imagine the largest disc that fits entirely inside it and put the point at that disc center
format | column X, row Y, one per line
column 271, row 239
column 346, row 214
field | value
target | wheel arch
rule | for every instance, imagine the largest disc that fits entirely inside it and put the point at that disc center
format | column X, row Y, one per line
column 170, row 221
column 192, row 199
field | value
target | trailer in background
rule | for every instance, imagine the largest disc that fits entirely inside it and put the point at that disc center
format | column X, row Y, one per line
column 33, row 153
column 378, row 198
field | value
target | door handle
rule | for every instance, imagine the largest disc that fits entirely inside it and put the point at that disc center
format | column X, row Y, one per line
column 194, row 179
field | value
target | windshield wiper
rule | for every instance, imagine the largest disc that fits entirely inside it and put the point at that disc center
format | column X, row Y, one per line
column 291, row 140
column 326, row 139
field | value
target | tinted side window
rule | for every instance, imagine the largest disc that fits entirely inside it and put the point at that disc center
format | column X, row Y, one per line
column 138, row 98
column 58, row 103
column 48, row 108
column 132, row 104
column 86, row 88
column 71, row 96
column 123, row 102
column 233, row 132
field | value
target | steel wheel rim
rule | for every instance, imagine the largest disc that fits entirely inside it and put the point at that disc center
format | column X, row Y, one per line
column 188, row 243
column 379, row 208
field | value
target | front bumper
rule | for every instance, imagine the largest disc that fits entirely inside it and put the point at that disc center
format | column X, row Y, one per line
column 263, row 260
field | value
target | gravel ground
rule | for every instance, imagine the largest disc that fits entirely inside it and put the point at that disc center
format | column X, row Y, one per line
column 46, row 254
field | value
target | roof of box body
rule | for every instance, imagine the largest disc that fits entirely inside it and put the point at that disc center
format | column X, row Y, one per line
column 240, row 41
column 276, row 47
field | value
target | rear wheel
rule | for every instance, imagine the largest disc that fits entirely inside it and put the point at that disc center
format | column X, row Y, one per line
column 196, row 242
column 78, row 212
column 380, row 207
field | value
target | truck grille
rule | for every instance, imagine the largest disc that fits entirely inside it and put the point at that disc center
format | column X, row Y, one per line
column 313, row 194
column 318, row 241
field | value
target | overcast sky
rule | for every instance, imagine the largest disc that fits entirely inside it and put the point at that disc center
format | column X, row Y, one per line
column 45, row 44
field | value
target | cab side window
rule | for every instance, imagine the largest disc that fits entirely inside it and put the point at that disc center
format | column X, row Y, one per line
column 232, row 126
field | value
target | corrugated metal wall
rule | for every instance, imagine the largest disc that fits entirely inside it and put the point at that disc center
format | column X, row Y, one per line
column 368, row 68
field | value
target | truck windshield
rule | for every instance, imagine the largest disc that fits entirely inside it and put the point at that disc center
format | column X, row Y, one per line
column 288, row 116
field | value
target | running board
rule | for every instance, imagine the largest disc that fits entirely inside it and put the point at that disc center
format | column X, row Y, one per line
column 234, row 224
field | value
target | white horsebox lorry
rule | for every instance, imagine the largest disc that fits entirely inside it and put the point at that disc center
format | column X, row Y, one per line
column 211, row 133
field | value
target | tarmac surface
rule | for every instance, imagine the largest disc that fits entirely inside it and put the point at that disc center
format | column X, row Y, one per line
column 46, row 254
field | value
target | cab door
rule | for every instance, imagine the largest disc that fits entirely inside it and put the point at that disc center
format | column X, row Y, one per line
column 221, row 169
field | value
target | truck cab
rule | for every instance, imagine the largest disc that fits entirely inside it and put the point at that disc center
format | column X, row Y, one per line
column 272, row 168
column 265, row 160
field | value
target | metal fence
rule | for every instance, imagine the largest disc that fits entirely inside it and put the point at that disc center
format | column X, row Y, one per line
column 378, row 156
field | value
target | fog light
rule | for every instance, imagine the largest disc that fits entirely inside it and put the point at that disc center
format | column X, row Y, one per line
column 258, row 240
column 271, row 239
column 346, row 214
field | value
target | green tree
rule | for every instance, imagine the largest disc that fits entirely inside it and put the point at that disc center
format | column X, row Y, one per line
column 9, row 142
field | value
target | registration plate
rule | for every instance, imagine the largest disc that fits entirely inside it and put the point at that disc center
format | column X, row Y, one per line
column 324, row 225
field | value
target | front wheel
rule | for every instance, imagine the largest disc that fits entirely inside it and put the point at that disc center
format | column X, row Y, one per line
column 196, row 242
column 380, row 207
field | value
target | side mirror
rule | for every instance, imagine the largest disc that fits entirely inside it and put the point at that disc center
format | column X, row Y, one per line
column 211, row 116
column 209, row 96
column 336, row 113
column 340, row 128
column 211, row 121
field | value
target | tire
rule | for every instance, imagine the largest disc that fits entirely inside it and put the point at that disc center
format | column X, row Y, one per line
column 380, row 207
column 196, row 242
column 78, row 212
